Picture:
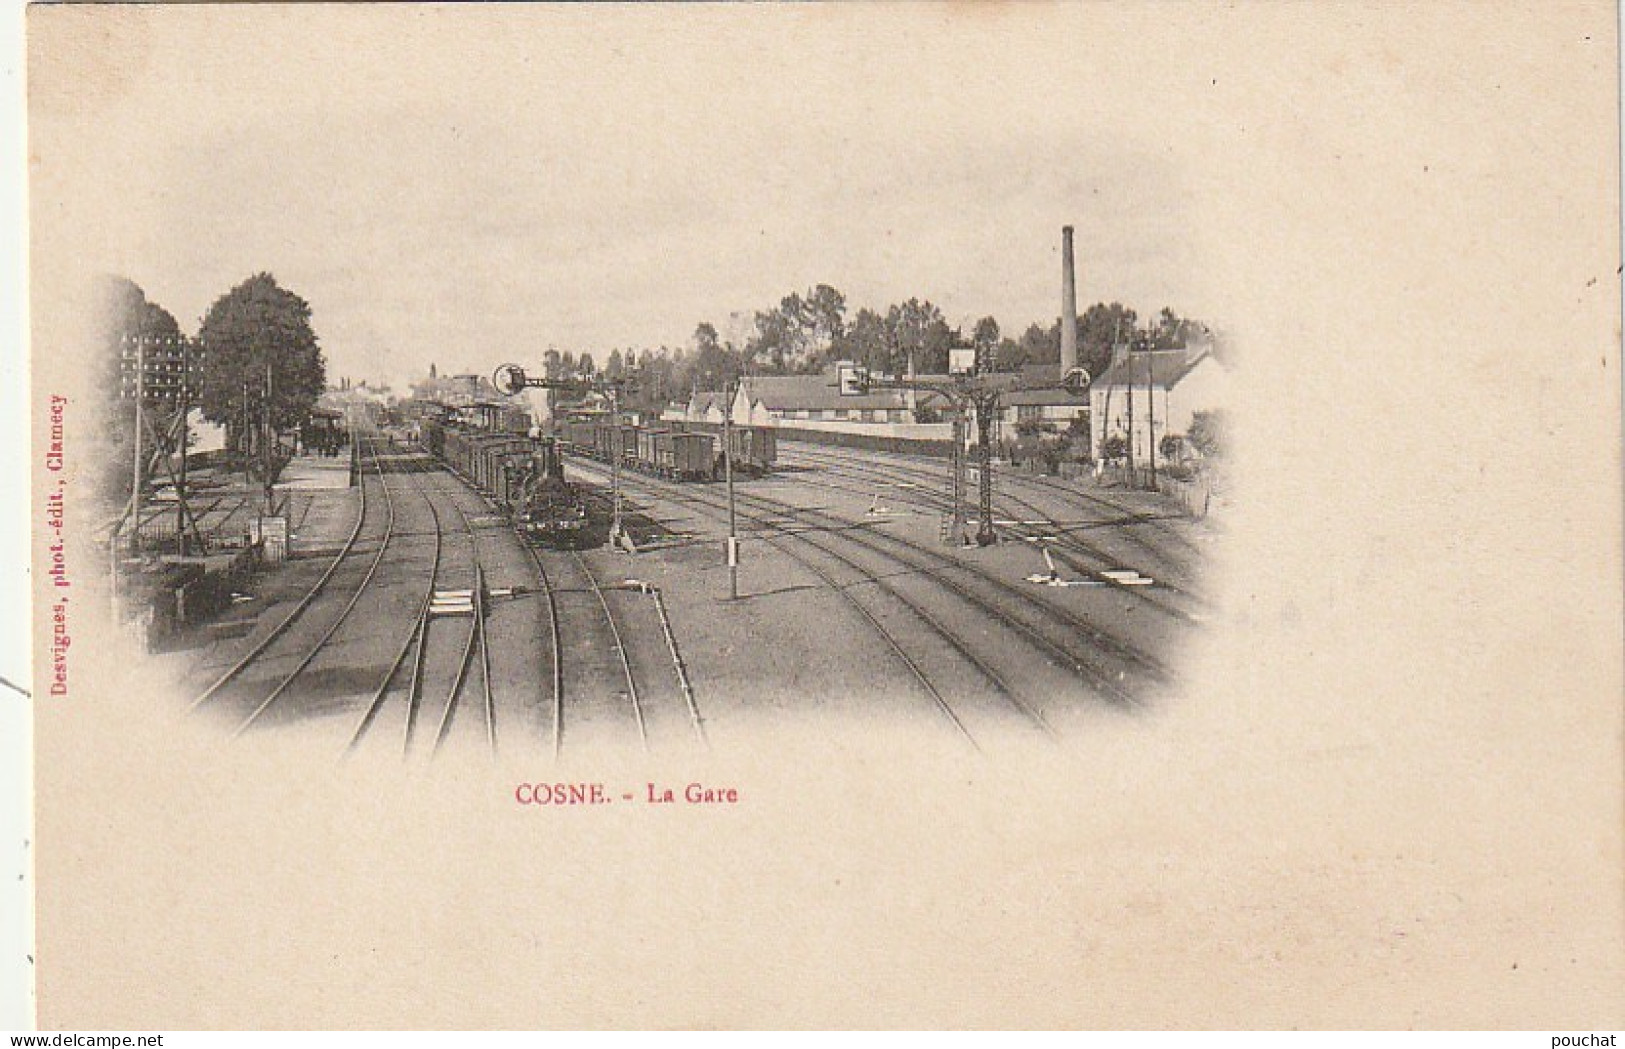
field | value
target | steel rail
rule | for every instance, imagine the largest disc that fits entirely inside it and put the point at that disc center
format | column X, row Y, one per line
column 304, row 602
column 620, row 647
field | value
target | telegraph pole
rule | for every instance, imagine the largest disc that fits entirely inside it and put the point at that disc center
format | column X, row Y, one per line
column 265, row 439
column 615, row 466
column 1128, row 388
column 185, row 409
column 1151, row 405
column 140, row 420
column 732, row 392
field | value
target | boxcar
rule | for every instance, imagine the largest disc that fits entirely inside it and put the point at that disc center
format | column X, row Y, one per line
column 671, row 453
column 754, row 448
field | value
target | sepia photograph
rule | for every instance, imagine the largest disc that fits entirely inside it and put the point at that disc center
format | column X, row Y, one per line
column 960, row 515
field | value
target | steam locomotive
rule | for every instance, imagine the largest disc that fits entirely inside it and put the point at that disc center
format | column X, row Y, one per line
column 523, row 475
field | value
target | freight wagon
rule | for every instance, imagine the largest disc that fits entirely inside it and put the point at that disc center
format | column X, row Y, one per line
column 680, row 456
column 682, row 451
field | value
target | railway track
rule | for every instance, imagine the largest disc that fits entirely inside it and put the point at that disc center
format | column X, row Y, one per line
column 917, row 485
column 1133, row 522
column 1044, row 625
column 944, row 638
column 948, row 653
column 1167, row 598
column 266, row 651
column 406, row 713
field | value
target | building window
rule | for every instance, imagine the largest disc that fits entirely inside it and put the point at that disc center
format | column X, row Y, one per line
column 867, row 415
column 1029, row 413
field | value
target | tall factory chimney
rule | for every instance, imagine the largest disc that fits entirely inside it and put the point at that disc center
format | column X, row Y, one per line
column 1069, row 305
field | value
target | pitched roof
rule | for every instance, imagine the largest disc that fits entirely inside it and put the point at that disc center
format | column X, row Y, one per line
column 1048, row 395
column 1167, row 368
column 702, row 401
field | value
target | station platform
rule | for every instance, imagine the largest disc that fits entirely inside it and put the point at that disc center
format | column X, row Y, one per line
column 315, row 494
column 314, row 473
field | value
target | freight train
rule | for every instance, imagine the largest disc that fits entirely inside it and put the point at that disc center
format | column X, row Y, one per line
column 523, row 476
column 680, row 451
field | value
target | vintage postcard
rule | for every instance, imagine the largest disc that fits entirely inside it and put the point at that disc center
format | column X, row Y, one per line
column 903, row 515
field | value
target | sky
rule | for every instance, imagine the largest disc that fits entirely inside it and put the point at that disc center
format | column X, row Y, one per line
column 471, row 186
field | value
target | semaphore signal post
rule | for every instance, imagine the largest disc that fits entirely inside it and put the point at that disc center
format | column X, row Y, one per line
column 975, row 391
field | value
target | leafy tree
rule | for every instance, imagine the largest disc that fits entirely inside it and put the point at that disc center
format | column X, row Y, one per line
column 1010, row 355
column 613, row 367
column 584, row 366
column 801, row 333
column 823, row 320
column 1040, row 346
column 868, row 340
column 1099, row 327
column 254, row 327
column 985, row 337
column 714, row 364
column 916, row 327
column 1208, row 433
column 706, row 338
column 1171, row 331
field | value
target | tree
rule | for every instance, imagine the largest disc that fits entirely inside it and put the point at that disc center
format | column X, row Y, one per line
column 254, row 327
column 584, row 365
column 1099, row 328
column 1010, row 355
column 1207, row 433
column 613, row 368
column 1172, row 332
column 917, row 327
column 714, row 365
column 705, row 338
column 1039, row 346
column 799, row 334
column 868, row 340
column 985, row 337
column 823, row 320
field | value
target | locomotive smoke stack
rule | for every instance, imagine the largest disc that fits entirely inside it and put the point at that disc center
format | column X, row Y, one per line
column 1069, row 304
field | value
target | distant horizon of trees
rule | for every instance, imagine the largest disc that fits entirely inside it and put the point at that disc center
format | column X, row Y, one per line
column 806, row 332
